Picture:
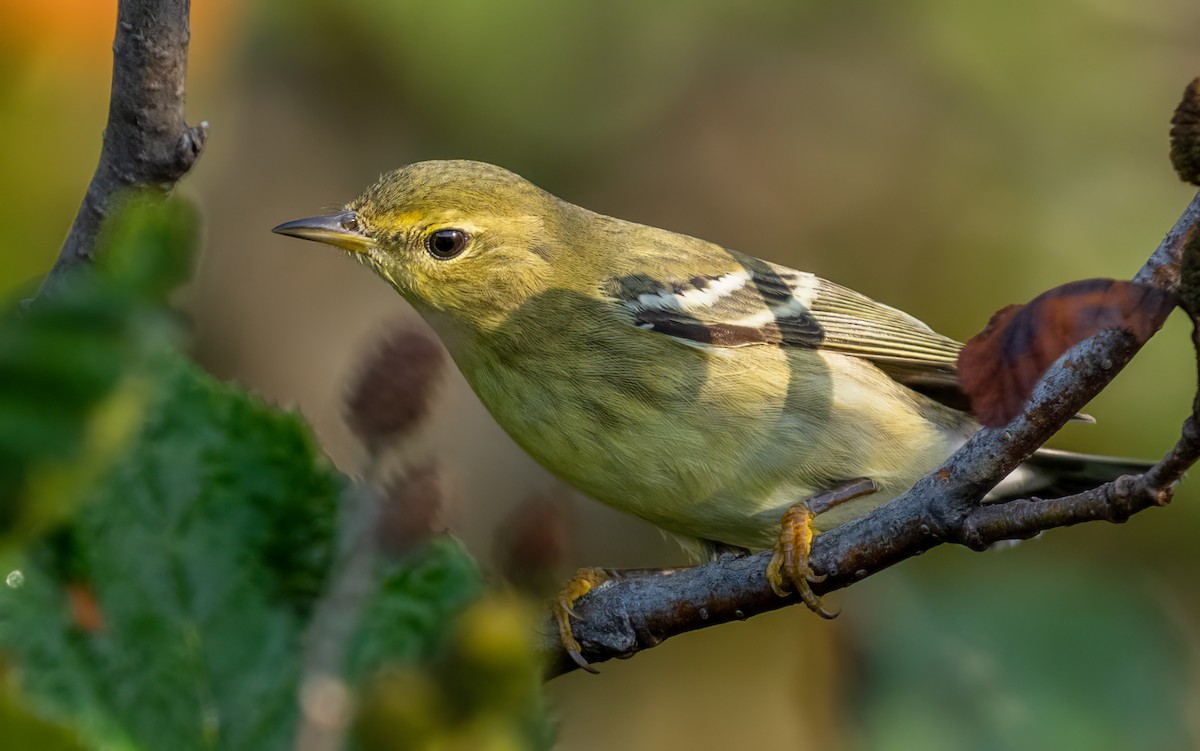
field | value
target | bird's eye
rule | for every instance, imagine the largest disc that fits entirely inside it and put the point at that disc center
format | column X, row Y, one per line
column 446, row 243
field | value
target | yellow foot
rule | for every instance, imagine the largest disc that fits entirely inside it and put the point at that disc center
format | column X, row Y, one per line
column 584, row 581
column 789, row 569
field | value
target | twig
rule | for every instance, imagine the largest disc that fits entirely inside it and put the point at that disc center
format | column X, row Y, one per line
column 147, row 143
column 624, row 616
column 324, row 693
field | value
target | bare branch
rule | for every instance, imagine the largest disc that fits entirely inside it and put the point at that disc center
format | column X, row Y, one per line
column 624, row 616
column 147, row 143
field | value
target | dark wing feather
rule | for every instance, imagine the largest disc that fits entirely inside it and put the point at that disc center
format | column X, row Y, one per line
column 761, row 303
column 757, row 303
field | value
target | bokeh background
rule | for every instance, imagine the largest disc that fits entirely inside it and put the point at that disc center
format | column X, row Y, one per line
column 947, row 158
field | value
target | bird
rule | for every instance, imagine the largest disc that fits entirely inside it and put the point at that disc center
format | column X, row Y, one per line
column 707, row 391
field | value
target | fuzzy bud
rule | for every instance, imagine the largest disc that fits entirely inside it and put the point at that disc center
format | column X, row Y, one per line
column 534, row 542
column 1185, row 135
column 409, row 512
column 394, row 389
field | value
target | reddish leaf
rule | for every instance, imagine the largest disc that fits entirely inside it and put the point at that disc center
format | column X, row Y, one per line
column 84, row 608
column 999, row 368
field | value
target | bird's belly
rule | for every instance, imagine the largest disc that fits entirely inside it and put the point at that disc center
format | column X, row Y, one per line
column 717, row 453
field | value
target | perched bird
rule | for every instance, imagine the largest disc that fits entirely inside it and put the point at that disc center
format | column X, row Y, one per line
column 704, row 390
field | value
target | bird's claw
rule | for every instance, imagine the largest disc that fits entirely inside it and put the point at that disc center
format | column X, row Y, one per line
column 789, row 569
column 584, row 581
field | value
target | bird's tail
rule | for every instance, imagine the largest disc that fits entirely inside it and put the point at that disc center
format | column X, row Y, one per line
column 1051, row 473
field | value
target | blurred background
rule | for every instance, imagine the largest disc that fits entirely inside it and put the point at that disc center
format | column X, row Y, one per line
column 947, row 158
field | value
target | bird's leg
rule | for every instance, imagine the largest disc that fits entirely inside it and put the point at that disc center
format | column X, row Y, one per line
column 584, row 581
column 789, row 567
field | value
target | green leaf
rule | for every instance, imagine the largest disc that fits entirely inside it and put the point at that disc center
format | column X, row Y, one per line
column 418, row 596
column 72, row 385
column 205, row 551
column 182, row 529
column 25, row 729
column 147, row 248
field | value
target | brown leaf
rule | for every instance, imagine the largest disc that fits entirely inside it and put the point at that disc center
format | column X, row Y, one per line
column 999, row 368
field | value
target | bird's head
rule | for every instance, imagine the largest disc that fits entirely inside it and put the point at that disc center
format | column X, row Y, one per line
column 465, row 242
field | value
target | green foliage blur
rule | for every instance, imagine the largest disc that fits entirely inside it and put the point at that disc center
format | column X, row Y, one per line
column 163, row 573
column 1046, row 661
column 945, row 157
column 72, row 389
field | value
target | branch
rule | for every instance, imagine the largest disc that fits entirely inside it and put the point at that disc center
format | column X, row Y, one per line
column 324, row 694
column 147, row 143
column 624, row 616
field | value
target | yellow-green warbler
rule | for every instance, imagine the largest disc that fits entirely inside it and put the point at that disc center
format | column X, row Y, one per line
column 701, row 389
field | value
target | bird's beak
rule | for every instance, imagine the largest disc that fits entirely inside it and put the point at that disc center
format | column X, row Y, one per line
column 340, row 230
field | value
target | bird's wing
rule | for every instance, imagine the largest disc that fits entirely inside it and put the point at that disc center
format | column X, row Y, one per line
column 760, row 303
